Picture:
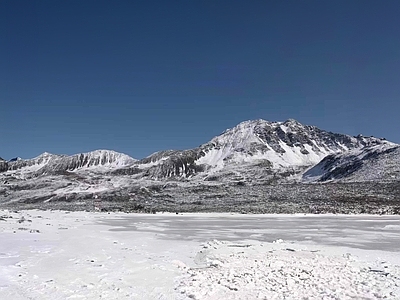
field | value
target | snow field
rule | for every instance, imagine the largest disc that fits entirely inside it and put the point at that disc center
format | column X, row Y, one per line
column 85, row 255
column 262, row 271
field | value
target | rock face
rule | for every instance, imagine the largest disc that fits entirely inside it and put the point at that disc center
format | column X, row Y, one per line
column 169, row 164
column 3, row 165
column 91, row 160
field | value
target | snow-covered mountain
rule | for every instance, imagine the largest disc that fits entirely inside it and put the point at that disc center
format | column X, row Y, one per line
column 252, row 148
column 284, row 144
column 258, row 154
column 95, row 160
column 33, row 164
column 47, row 163
column 273, row 146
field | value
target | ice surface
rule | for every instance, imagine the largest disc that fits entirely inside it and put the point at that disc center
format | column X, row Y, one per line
column 60, row 255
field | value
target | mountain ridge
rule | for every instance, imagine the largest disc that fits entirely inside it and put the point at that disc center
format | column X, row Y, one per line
column 47, row 163
column 278, row 145
column 256, row 166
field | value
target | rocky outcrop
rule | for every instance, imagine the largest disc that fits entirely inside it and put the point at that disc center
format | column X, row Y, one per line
column 175, row 164
column 3, row 165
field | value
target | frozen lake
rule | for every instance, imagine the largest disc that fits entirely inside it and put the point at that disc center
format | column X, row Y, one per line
column 369, row 232
column 86, row 255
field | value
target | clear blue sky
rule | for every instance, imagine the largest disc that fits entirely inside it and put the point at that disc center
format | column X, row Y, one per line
column 142, row 76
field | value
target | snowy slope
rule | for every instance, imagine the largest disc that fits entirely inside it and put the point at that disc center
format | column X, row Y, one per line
column 379, row 162
column 26, row 167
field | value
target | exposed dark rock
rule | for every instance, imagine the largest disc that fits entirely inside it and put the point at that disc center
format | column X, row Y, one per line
column 175, row 164
column 3, row 165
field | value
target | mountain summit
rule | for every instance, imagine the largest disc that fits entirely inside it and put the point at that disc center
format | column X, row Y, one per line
column 288, row 143
column 276, row 146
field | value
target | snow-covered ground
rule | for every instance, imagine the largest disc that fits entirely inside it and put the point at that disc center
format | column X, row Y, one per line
column 84, row 255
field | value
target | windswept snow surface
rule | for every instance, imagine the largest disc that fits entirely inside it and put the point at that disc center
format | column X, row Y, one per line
column 82, row 255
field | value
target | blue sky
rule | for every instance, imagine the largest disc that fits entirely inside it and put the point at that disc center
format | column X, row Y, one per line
column 143, row 76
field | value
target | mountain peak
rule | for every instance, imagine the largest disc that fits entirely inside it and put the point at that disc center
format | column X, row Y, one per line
column 45, row 155
column 15, row 159
column 284, row 144
column 292, row 121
